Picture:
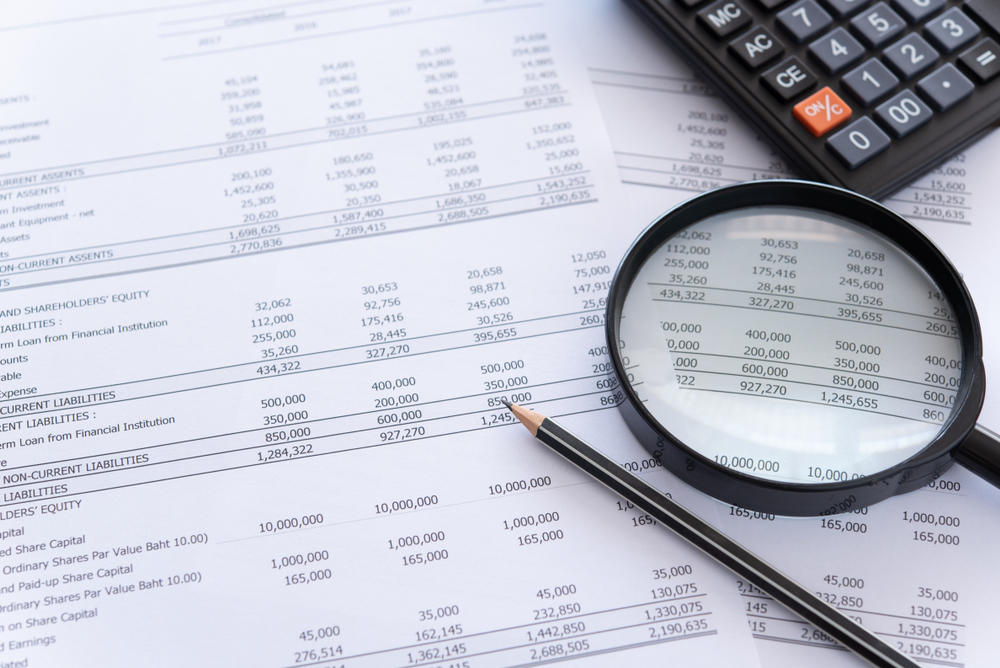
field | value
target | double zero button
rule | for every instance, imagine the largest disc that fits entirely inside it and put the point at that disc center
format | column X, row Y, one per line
column 862, row 140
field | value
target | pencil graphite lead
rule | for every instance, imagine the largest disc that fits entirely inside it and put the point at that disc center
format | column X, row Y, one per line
column 529, row 418
column 506, row 403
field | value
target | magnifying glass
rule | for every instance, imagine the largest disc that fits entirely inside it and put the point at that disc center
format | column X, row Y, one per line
column 799, row 349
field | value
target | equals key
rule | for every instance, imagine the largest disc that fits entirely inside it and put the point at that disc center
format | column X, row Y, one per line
column 982, row 61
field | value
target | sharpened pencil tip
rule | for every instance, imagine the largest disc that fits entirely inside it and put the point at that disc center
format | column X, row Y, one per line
column 526, row 416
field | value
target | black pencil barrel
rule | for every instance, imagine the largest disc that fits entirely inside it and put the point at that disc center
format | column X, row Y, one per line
column 723, row 549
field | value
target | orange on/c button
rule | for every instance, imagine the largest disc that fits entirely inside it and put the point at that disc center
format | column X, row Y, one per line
column 822, row 111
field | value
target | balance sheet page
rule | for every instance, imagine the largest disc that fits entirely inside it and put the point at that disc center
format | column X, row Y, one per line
column 266, row 272
column 915, row 569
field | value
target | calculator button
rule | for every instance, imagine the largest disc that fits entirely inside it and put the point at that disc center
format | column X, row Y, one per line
column 916, row 11
column 982, row 60
column 945, row 87
column 836, row 50
column 821, row 112
column 987, row 11
column 952, row 30
column 756, row 47
column 842, row 8
column 771, row 4
column 724, row 18
column 902, row 114
column 870, row 82
column 910, row 56
column 788, row 80
column 858, row 143
column 690, row 4
column 804, row 20
column 877, row 25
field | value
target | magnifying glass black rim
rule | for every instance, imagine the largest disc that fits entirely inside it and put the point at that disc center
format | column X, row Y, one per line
column 787, row 498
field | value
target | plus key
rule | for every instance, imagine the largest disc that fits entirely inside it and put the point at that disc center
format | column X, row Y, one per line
column 822, row 111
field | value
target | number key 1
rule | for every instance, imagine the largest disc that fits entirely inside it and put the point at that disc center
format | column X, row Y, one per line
column 870, row 82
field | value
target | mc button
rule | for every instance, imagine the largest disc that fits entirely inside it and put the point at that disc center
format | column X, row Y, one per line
column 788, row 80
column 724, row 18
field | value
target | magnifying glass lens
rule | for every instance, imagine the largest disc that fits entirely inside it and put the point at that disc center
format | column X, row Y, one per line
column 791, row 345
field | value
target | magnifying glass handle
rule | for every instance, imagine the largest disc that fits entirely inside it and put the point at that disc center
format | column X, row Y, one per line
column 980, row 453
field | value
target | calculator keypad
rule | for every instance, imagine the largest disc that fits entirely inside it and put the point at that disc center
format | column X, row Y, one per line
column 859, row 75
column 918, row 10
column 870, row 82
column 788, row 80
column 982, row 60
column 822, row 111
column 859, row 142
column 804, row 20
column 756, row 48
column 903, row 113
column 945, row 87
column 836, row 50
column 952, row 30
column 910, row 56
column 842, row 8
column 878, row 25
column 724, row 18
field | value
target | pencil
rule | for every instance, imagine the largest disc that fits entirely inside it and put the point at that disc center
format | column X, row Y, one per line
column 711, row 541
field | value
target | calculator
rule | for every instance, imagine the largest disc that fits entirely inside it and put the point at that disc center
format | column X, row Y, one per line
column 864, row 94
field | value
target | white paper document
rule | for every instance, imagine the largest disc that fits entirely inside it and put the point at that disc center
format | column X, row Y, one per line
column 266, row 271
column 915, row 569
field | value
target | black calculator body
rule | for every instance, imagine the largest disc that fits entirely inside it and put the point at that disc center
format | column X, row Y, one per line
column 865, row 94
